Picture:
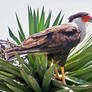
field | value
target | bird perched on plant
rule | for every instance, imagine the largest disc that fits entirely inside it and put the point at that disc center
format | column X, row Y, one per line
column 55, row 42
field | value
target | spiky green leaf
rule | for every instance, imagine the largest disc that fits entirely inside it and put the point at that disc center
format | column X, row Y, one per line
column 21, row 30
column 57, row 19
column 30, row 21
column 47, row 23
column 13, row 36
column 35, row 23
column 47, row 78
column 34, row 84
column 42, row 20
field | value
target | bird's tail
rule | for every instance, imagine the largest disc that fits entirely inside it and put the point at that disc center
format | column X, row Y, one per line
column 9, row 54
column 8, row 50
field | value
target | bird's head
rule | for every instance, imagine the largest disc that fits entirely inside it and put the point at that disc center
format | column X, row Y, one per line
column 82, row 16
column 81, row 20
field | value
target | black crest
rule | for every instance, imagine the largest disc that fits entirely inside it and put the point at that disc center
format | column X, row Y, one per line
column 80, row 14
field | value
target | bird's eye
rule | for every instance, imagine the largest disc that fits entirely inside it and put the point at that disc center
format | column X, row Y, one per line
column 86, row 18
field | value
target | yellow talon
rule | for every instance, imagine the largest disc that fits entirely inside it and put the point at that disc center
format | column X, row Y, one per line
column 63, row 76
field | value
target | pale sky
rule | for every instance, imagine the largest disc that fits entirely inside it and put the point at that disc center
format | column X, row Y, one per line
column 8, row 8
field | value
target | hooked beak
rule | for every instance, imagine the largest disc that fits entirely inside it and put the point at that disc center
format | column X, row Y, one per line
column 90, row 19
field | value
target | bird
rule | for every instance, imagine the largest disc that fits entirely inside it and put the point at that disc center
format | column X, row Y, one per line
column 55, row 42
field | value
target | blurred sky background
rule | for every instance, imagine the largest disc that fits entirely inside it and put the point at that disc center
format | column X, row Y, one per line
column 8, row 8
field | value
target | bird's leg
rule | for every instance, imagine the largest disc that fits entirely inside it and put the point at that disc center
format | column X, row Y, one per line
column 63, row 75
column 56, row 71
column 57, row 74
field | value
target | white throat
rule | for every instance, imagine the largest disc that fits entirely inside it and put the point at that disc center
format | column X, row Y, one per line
column 82, row 26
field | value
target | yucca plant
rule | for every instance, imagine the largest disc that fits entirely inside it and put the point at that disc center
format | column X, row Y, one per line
column 34, row 73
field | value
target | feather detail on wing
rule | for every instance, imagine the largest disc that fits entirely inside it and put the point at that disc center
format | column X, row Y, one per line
column 53, row 39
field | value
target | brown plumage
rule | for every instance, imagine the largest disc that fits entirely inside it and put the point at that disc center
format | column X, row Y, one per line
column 55, row 42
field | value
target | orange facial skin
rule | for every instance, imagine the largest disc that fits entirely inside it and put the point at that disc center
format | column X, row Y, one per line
column 86, row 18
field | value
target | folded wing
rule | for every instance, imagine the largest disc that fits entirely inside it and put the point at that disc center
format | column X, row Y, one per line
column 53, row 39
